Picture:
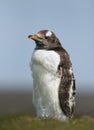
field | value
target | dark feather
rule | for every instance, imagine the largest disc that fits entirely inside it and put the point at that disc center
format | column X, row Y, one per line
column 67, row 84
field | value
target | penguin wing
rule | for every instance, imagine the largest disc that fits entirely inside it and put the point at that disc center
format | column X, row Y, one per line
column 67, row 85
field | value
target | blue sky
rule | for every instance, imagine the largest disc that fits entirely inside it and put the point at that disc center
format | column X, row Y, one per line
column 71, row 20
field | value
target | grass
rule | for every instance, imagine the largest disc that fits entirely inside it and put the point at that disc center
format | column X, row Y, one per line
column 27, row 122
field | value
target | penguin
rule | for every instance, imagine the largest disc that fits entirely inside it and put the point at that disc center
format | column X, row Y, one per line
column 53, row 79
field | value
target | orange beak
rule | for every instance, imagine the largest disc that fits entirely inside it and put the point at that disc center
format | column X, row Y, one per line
column 34, row 37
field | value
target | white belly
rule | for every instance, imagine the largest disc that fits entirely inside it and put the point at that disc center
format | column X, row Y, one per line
column 46, row 83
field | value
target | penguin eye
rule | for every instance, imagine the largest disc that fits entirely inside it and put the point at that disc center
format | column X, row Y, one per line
column 46, row 37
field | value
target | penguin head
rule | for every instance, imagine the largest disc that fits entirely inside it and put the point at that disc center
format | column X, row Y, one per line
column 45, row 39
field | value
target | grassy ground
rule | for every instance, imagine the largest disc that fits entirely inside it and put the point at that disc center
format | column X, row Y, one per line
column 27, row 122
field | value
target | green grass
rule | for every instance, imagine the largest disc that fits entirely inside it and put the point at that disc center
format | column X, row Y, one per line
column 27, row 122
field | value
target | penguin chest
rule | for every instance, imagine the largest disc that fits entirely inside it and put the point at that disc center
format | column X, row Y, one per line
column 44, row 65
column 45, row 81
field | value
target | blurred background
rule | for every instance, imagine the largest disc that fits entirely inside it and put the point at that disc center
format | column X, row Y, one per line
column 72, row 22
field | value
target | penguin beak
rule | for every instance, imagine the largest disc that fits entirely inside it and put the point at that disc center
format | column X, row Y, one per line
column 35, row 37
